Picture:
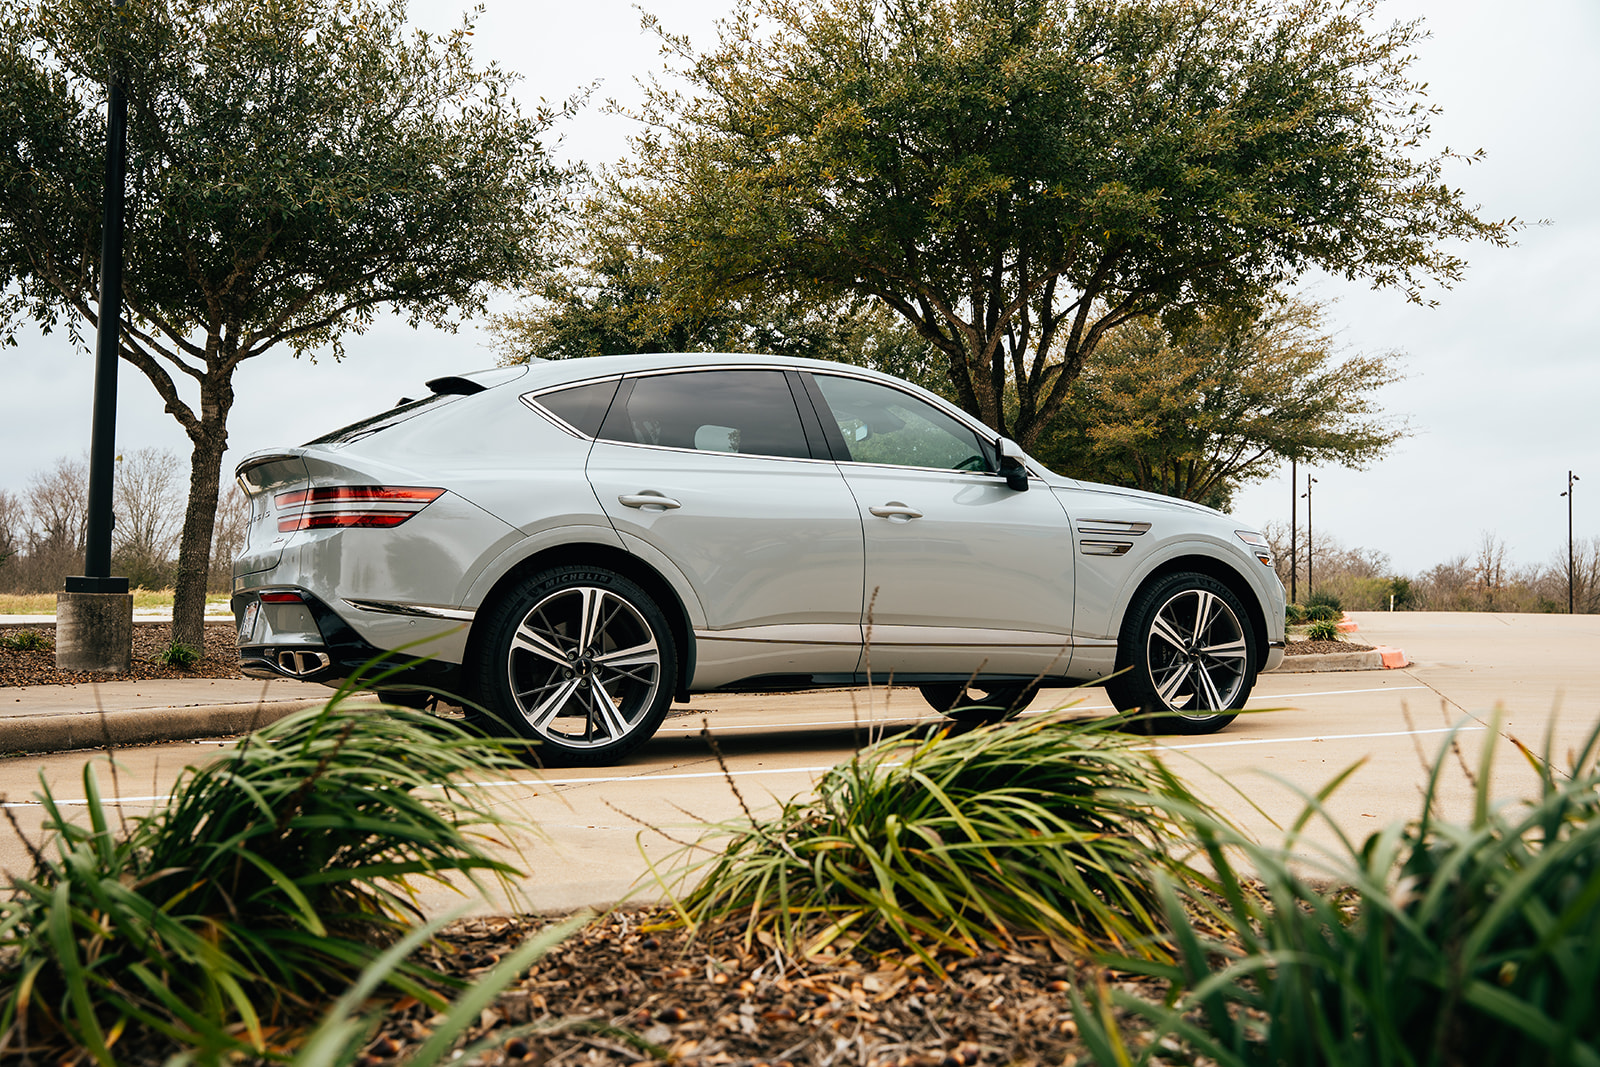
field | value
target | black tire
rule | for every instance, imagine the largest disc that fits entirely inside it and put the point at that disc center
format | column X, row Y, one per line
column 415, row 699
column 979, row 701
column 585, row 698
column 1186, row 657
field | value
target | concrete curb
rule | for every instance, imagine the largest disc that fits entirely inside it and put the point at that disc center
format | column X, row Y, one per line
column 1381, row 658
column 89, row 729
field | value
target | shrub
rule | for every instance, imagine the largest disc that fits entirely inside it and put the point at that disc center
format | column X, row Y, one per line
column 179, row 655
column 1449, row 943
column 1294, row 614
column 1323, row 613
column 26, row 641
column 1324, row 598
column 1323, row 630
column 1049, row 825
column 268, row 879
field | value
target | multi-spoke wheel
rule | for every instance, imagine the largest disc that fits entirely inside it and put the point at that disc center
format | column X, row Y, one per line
column 979, row 701
column 581, row 660
column 1187, row 657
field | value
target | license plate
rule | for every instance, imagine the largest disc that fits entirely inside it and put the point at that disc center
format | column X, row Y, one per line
column 248, row 625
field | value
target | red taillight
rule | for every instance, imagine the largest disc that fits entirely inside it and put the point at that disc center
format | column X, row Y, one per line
column 282, row 598
column 344, row 506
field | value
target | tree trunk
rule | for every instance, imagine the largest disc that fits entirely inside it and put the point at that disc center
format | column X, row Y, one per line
column 210, row 440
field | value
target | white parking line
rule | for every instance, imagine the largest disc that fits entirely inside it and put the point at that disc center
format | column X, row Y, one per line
column 865, row 722
column 1322, row 737
column 505, row 783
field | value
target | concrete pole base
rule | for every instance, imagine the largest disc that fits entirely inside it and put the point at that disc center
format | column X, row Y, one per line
column 94, row 632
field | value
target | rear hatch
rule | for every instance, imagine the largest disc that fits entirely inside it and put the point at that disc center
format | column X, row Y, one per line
column 265, row 476
column 262, row 477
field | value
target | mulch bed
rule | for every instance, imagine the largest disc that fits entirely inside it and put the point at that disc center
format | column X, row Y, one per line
column 709, row 1001
column 1319, row 648
column 150, row 639
column 628, row 988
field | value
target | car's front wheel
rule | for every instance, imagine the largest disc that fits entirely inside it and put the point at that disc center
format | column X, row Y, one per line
column 1186, row 657
column 978, row 701
column 580, row 660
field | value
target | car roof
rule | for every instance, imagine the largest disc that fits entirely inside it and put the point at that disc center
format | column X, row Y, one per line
column 545, row 373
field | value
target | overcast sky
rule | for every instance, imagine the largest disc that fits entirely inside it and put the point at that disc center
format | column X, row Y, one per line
column 1503, row 376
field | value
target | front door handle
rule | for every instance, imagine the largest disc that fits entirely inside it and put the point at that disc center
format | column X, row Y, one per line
column 895, row 510
column 648, row 499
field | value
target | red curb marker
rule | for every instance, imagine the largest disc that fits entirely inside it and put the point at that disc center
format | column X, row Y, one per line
column 1392, row 657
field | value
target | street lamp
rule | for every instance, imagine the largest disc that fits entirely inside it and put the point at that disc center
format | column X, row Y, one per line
column 1311, row 581
column 1570, row 569
column 1294, row 531
column 94, row 612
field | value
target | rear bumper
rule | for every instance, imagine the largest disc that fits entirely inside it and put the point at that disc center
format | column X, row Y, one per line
column 308, row 641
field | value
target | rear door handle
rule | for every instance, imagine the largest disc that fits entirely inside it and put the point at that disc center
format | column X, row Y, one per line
column 895, row 510
column 648, row 499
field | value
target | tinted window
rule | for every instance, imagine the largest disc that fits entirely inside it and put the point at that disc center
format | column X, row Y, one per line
column 884, row 425
column 582, row 407
column 751, row 412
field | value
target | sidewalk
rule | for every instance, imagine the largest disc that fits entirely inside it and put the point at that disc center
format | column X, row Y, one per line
column 52, row 718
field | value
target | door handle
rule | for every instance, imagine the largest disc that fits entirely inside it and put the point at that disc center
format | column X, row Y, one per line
column 648, row 498
column 895, row 510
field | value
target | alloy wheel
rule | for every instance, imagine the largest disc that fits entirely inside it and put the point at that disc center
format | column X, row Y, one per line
column 1197, row 653
column 584, row 667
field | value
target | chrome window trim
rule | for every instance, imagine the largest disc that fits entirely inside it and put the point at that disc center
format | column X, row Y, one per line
column 530, row 399
column 977, row 426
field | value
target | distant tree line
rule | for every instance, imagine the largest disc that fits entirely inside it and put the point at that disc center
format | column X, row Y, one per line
column 1362, row 579
column 42, row 527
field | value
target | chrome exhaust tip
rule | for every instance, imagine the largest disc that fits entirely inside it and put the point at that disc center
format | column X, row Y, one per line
column 301, row 662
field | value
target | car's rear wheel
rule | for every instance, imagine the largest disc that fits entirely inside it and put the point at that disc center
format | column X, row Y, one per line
column 1186, row 657
column 580, row 660
column 978, row 701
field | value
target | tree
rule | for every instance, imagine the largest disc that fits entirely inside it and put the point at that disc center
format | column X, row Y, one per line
column 148, row 500
column 1018, row 177
column 293, row 167
column 1218, row 405
column 609, row 296
column 11, row 529
column 57, row 525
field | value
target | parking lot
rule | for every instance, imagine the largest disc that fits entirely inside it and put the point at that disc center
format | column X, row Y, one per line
column 601, row 829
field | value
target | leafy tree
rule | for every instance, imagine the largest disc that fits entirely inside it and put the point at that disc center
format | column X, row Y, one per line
column 1198, row 413
column 1018, row 177
column 609, row 296
column 293, row 167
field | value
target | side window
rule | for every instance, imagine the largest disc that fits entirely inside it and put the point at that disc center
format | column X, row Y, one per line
column 582, row 406
column 884, row 425
column 750, row 412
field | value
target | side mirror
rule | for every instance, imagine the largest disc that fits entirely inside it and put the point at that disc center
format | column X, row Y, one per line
column 1011, row 456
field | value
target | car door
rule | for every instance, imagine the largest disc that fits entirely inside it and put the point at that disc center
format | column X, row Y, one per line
column 963, row 573
column 712, row 469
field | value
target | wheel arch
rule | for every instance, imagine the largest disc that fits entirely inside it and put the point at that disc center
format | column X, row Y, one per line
column 624, row 563
column 1237, row 584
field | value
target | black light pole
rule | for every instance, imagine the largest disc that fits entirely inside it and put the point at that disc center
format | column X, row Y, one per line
column 1311, row 581
column 94, row 613
column 96, row 576
column 1571, row 572
column 1294, row 531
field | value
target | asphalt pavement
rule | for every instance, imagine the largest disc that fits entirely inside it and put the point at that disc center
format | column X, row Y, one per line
column 605, row 833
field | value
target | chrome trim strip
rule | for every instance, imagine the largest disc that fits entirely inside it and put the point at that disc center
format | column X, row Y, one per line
column 426, row 611
column 787, row 634
column 1115, row 527
column 967, row 636
column 1105, row 548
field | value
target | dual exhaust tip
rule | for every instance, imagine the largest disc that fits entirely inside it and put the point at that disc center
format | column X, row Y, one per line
column 301, row 662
